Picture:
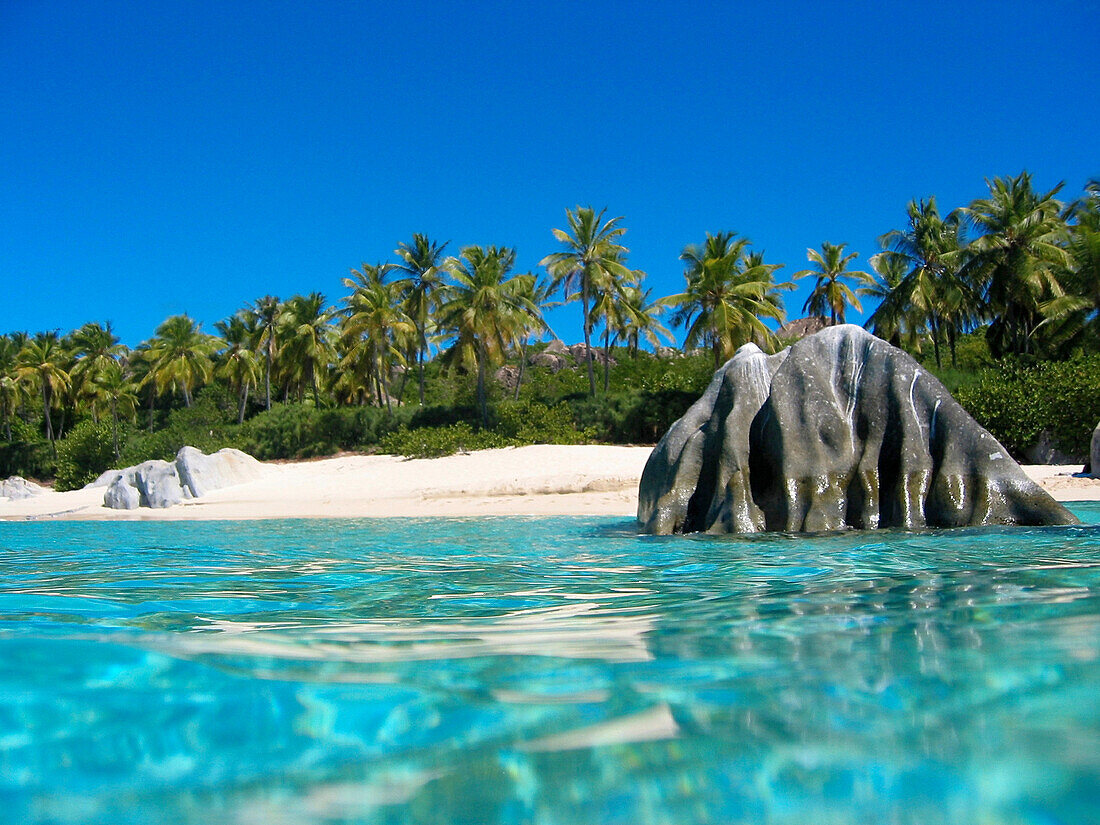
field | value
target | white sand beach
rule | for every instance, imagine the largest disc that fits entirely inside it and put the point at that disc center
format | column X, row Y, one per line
column 537, row 480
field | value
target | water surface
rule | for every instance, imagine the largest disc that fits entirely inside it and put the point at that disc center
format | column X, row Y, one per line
column 546, row 671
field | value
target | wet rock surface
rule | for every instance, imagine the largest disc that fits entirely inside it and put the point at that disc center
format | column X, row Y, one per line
column 840, row 430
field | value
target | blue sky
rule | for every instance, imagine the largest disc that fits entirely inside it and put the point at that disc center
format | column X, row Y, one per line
column 169, row 157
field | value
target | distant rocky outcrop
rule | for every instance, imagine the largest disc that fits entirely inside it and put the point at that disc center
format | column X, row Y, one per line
column 507, row 376
column 1046, row 451
column 801, row 327
column 557, row 356
column 17, row 487
column 550, row 360
column 840, row 430
column 581, row 353
column 160, row 484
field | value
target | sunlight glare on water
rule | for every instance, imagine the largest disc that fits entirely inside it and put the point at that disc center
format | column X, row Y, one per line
column 546, row 670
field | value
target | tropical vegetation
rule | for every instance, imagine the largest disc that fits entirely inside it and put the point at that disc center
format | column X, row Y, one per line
column 994, row 297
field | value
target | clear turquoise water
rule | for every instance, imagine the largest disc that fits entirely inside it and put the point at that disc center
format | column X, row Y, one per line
column 546, row 671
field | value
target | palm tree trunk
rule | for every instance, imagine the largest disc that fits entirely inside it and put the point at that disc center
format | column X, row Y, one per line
column 420, row 362
column 267, row 375
column 522, row 364
column 186, row 396
column 114, row 425
column 606, row 355
column 482, row 402
column 588, row 339
column 152, row 402
column 46, row 393
column 405, row 381
column 243, row 402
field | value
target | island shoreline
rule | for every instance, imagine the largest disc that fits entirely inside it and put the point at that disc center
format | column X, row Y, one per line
column 538, row 480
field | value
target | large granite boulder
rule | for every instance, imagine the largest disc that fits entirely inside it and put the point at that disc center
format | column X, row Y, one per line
column 200, row 473
column 160, row 484
column 840, row 430
column 17, row 488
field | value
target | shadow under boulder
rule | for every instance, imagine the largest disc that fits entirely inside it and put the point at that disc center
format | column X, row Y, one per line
column 840, row 430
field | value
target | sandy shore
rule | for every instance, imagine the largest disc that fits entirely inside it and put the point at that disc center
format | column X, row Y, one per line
column 538, row 480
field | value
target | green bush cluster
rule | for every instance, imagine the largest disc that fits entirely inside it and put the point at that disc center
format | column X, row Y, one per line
column 516, row 423
column 530, row 422
column 30, row 459
column 303, row 431
column 84, row 454
column 432, row 442
column 632, row 417
column 1018, row 402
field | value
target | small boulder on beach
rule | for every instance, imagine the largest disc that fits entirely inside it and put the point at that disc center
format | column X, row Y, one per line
column 159, row 484
column 17, row 488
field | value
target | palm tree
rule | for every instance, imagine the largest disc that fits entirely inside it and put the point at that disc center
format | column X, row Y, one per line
column 421, row 261
column 40, row 364
column 238, row 362
column 530, row 292
column 181, row 355
column 374, row 331
column 121, row 391
column 728, row 292
column 308, row 337
column 482, row 309
column 593, row 258
column 891, row 319
column 1083, row 279
column 1016, row 260
column 830, row 292
column 640, row 317
column 96, row 349
column 607, row 308
column 932, row 290
column 267, row 311
column 9, row 381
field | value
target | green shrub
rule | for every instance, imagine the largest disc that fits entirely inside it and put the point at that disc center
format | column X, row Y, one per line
column 83, row 454
column 303, row 431
column 1017, row 402
column 632, row 417
column 432, row 442
column 27, row 454
column 529, row 422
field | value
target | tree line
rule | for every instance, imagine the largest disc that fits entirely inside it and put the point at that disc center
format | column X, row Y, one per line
column 1019, row 263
